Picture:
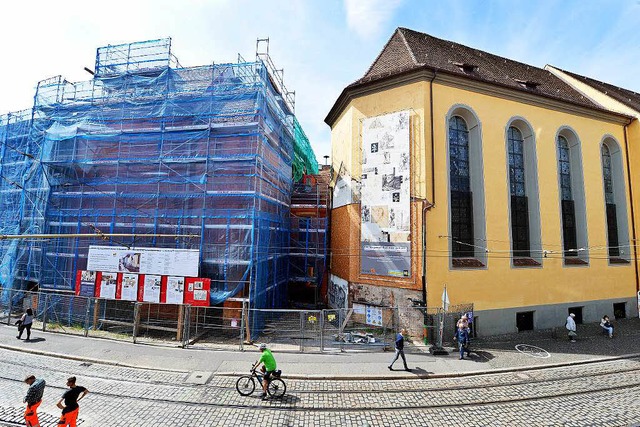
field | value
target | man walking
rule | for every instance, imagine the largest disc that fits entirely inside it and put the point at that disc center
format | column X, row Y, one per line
column 71, row 408
column 571, row 327
column 400, row 351
column 33, row 400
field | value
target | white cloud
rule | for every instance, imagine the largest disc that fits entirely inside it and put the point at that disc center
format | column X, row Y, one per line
column 368, row 17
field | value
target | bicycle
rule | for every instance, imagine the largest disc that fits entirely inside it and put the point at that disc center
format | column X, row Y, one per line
column 246, row 384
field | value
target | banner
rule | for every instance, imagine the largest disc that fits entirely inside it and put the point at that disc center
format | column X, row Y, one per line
column 159, row 261
column 108, row 283
column 385, row 196
column 86, row 284
column 151, row 288
column 175, row 290
column 129, row 290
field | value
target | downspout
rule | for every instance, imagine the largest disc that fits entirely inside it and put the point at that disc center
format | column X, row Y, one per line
column 428, row 205
column 633, row 217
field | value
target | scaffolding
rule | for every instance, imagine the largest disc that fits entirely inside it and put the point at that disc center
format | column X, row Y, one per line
column 149, row 147
column 309, row 233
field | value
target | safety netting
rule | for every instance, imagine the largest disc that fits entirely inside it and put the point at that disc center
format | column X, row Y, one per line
column 149, row 147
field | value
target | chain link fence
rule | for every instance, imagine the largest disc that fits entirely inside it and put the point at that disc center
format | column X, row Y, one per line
column 233, row 327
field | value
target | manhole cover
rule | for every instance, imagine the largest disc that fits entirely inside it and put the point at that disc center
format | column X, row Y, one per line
column 533, row 351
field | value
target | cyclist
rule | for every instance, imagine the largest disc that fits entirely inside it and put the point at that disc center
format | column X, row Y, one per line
column 268, row 369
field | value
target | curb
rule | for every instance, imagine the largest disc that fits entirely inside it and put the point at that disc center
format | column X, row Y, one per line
column 403, row 376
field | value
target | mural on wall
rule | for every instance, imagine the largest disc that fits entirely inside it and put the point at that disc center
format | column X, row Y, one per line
column 337, row 292
column 385, row 196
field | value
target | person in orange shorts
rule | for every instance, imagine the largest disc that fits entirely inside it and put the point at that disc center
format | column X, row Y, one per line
column 33, row 400
column 70, row 408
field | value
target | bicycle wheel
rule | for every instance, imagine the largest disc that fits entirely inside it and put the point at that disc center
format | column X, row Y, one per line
column 276, row 388
column 245, row 385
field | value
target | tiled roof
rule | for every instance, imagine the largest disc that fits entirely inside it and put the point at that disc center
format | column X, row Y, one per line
column 629, row 98
column 408, row 49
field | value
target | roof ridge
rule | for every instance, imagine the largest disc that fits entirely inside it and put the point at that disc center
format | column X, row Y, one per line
column 580, row 76
column 406, row 43
column 397, row 31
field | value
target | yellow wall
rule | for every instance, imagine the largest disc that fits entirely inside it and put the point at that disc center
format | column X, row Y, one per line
column 499, row 285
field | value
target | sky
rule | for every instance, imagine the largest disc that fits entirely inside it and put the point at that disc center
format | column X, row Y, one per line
column 322, row 45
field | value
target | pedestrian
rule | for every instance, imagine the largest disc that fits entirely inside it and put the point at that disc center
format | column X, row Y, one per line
column 462, row 336
column 71, row 408
column 571, row 327
column 33, row 400
column 606, row 325
column 25, row 322
column 400, row 350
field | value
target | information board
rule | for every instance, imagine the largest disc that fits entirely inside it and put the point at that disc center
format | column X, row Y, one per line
column 156, row 261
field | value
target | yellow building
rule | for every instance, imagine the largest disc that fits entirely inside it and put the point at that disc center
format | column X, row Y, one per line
column 499, row 180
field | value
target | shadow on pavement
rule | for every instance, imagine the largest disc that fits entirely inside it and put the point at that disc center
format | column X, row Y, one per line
column 32, row 340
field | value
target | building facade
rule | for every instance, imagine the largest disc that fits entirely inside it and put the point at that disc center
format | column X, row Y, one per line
column 520, row 190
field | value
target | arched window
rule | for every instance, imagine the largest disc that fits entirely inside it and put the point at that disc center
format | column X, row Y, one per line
column 615, row 201
column 610, row 202
column 517, row 188
column 526, row 244
column 461, row 198
column 466, row 189
column 572, row 202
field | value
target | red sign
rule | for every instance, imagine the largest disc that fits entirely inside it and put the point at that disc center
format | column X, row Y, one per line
column 197, row 291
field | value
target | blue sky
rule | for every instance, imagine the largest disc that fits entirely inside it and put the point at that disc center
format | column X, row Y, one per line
column 322, row 45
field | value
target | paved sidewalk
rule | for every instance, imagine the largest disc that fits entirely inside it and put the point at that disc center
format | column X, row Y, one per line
column 490, row 354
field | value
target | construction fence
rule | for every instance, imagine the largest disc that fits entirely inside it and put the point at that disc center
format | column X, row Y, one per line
column 214, row 327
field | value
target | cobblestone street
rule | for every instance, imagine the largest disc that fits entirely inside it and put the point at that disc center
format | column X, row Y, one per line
column 604, row 393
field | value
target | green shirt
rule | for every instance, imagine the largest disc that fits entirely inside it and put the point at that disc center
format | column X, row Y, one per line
column 268, row 360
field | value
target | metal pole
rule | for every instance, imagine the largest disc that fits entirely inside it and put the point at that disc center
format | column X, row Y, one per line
column 322, row 331
column 242, row 321
column 46, row 312
column 136, row 321
column 87, row 313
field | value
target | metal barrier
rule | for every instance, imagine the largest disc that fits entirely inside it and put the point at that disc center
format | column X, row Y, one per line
column 370, row 329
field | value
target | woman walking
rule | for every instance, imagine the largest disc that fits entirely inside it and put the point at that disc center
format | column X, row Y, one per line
column 25, row 322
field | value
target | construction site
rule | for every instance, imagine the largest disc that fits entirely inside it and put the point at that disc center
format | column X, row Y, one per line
column 148, row 153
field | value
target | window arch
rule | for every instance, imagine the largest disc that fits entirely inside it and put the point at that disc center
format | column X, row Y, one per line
column 466, row 189
column 572, row 202
column 526, row 246
column 615, row 200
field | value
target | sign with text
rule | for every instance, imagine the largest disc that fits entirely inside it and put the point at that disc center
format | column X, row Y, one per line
column 129, row 287
column 156, row 261
column 86, row 283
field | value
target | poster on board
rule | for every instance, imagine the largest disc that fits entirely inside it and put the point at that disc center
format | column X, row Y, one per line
column 337, row 292
column 108, row 283
column 129, row 290
column 156, row 261
column 151, row 288
column 175, row 290
column 373, row 315
column 86, row 284
column 385, row 192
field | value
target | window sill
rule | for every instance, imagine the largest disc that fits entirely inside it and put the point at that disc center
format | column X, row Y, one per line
column 575, row 261
column 618, row 261
column 466, row 263
column 525, row 262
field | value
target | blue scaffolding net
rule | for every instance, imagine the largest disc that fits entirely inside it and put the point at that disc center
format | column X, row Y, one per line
column 149, row 147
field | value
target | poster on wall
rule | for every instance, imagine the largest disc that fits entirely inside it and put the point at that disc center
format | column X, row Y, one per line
column 337, row 292
column 175, row 290
column 87, row 284
column 157, row 261
column 385, row 192
column 151, row 288
column 129, row 290
column 373, row 315
column 108, row 283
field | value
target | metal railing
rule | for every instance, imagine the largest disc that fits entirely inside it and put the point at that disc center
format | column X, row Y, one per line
column 232, row 327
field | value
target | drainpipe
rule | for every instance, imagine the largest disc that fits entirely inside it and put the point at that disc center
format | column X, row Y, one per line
column 633, row 217
column 428, row 205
